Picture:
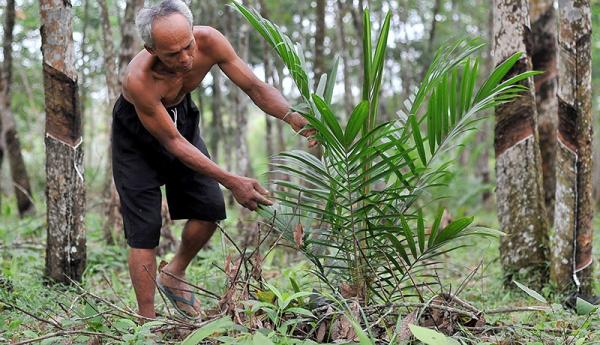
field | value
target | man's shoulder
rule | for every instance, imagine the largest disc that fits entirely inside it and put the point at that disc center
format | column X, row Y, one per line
column 208, row 38
column 138, row 72
column 139, row 86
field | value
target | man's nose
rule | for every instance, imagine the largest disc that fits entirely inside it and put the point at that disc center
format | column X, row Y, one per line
column 184, row 57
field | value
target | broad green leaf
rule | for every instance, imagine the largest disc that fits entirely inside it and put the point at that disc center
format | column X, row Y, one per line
column 260, row 339
column 216, row 326
column 332, row 75
column 265, row 296
column 453, row 229
column 584, row 307
column 431, row 337
column 301, row 311
column 531, row 292
column 412, row 120
column 355, row 123
column 367, row 57
column 330, row 119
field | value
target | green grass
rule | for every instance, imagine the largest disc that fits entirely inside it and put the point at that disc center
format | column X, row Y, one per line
column 106, row 275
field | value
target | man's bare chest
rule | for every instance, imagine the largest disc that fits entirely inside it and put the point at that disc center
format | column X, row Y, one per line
column 174, row 89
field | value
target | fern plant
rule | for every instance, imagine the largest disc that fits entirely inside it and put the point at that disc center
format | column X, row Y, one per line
column 357, row 213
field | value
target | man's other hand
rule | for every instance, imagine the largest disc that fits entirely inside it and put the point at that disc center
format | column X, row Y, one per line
column 299, row 123
column 249, row 193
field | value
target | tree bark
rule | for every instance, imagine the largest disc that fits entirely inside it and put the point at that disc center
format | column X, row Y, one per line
column 543, row 56
column 111, row 75
column 484, row 132
column 112, row 220
column 319, row 61
column 130, row 46
column 238, row 32
column 348, row 98
column 279, row 124
column 65, row 250
column 217, row 128
column 18, row 171
column 270, row 144
column 519, row 191
column 572, row 238
column 131, row 43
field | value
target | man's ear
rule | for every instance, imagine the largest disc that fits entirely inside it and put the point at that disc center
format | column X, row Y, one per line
column 150, row 50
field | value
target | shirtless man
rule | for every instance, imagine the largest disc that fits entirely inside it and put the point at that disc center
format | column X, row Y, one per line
column 156, row 141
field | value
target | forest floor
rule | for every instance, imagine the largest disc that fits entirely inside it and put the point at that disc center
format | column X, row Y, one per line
column 31, row 309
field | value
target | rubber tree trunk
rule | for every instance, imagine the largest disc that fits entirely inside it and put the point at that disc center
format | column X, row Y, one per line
column 572, row 239
column 519, row 193
column 18, row 170
column 65, row 250
column 544, row 58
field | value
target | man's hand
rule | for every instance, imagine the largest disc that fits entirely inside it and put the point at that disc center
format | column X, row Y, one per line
column 248, row 192
column 298, row 123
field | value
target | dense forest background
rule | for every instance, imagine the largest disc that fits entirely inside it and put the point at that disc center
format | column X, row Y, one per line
column 242, row 139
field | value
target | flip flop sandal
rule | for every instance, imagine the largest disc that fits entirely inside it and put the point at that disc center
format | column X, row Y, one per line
column 171, row 296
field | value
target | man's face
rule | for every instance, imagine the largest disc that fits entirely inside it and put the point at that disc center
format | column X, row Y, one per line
column 174, row 42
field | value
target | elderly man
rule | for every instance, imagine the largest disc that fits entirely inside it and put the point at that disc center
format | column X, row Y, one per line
column 156, row 141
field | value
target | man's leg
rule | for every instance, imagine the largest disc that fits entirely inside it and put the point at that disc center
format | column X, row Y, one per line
column 196, row 234
column 142, row 269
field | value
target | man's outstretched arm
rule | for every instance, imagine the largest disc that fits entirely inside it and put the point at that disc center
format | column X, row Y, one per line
column 265, row 96
column 153, row 116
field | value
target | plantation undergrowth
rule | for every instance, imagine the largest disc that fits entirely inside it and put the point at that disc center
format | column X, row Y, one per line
column 32, row 309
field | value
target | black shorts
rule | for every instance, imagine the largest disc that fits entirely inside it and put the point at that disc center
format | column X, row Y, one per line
column 141, row 166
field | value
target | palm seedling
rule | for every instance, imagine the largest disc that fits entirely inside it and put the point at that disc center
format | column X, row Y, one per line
column 357, row 213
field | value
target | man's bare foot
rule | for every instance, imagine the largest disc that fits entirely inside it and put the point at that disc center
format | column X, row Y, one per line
column 186, row 300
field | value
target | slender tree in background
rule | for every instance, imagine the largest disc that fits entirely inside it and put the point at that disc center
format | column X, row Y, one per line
column 519, row 193
column 131, row 43
column 18, row 171
column 343, row 49
column 279, row 85
column 129, row 47
column 83, row 48
column 572, row 239
column 437, row 6
column 217, row 130
column 110, row 66
column 543, row 56
column 112, row 220
column 238, row 33
column 319, row 61
column 65, row 250
column 266, row 59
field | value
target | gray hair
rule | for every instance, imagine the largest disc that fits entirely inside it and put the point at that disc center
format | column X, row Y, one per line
column 146, row 17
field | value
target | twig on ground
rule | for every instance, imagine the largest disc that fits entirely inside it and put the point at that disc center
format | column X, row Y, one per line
column 51, row 323
column 116, row 294
column 207, row 292
column 517, row 309
column 131, row 314
column 159, row 291
column 513, row 327
column 67, row 333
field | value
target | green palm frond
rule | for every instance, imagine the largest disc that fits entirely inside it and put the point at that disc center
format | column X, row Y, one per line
column 361, row 204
